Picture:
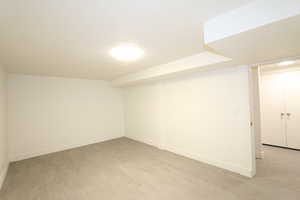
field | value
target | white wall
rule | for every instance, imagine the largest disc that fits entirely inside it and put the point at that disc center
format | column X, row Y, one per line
column 200, row 62
column 249, row 17
column 3, row 127
column 256, row 111
column 143, row 114
column 205, row 116
column 48, row 114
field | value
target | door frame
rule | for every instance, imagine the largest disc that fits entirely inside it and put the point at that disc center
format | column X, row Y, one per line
column 255, row 107
column 255, row 103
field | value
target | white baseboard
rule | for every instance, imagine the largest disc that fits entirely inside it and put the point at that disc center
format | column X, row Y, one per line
column 260, row 155
column 151, row 143
column 3, row 174
column 14, row 158
column 224, row 165
column 218, row 163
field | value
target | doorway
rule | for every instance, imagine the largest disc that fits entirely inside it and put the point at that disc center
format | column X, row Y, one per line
column 276, row 106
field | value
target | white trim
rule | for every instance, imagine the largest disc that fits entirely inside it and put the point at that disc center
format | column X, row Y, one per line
column 218, row 163
column 3, row 174
column 62, row 148
column 260, row 155
column 270, row 62
column 253, row 93
column 148, row 142
column 266, row 72
column 221, row 164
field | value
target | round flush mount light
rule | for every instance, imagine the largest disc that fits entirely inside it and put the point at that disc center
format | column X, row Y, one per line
column 287, row 62
column 126, row 52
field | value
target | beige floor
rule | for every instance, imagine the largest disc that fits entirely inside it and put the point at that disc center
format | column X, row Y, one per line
column 127, row 170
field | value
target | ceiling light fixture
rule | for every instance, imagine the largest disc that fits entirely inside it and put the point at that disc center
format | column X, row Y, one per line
column 126, row 52
column 287, row 62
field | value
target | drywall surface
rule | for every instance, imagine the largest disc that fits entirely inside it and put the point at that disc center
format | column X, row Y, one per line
column 142, row 114
column 3, row 127
column 197, row 61
column 205, row 116
column 256, row 111
column 49, row 114
column 248, row 17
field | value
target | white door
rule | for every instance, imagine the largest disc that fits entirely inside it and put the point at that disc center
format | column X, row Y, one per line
column 292, row 83
column 272, row 110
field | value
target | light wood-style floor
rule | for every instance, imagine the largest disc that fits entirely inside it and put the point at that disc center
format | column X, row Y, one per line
column 123, row 169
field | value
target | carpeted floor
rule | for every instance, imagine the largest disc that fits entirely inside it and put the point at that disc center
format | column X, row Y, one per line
column 123, row 169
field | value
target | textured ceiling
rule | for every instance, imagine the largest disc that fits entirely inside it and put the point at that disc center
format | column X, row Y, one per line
column 71, row 38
